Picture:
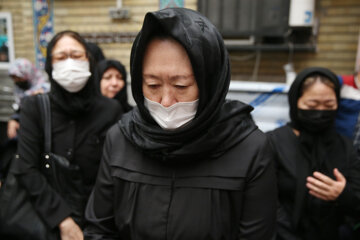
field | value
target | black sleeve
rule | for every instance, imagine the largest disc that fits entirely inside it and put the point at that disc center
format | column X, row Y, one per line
column 284, row 228
column 99, row 213
column 50, row 206
column 349, row 199
column 260, row 198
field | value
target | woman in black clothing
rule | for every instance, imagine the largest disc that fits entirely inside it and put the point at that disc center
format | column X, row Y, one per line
column 112, row 77
column 185, row 163
column 80, row 118
column 317, row 169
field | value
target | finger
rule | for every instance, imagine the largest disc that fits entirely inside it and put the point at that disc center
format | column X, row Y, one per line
column 339, row 176
column 323, row 178
column 316, row 189
column 319, row 184
column 317, row 195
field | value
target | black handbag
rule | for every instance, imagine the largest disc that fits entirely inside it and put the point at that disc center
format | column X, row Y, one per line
column 18, row 218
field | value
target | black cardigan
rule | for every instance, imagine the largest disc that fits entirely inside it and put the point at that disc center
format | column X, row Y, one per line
column 78, row 139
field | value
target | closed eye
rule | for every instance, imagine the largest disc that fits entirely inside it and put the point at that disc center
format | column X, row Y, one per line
column 153, row 86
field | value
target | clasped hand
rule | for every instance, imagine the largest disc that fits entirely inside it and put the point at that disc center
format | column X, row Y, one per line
column 324, row 187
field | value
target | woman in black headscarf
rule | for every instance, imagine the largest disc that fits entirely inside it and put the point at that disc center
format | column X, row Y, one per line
column 318, row 173
column 185, row 163
column 112, row 76
column 80, row 117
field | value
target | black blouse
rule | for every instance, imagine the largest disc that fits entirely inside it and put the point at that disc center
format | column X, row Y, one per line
column 78, row 139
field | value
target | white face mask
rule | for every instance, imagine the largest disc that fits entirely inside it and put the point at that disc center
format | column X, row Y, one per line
column 71, row 74
column 174, row 116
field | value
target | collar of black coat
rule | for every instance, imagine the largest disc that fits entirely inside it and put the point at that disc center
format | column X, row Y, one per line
column 191, row 142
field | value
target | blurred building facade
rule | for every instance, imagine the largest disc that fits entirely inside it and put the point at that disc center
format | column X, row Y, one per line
column 331, row 42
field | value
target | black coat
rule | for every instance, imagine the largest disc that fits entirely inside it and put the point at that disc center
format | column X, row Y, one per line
column 318, row 219
column 231, row 197
column 80, row 139
column 212, row 178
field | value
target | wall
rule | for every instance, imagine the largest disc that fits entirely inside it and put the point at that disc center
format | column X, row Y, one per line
column 339, row 26
column 21, row 13
column 92, row 16
column 336, row 43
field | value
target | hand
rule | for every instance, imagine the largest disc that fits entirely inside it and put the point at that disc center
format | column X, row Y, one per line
column 69, row 230
column 325, row 188
column 39, row 91
column 12, row 128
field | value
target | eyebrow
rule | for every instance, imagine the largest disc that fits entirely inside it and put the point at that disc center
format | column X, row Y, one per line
column 175, row 77
column 65, row 51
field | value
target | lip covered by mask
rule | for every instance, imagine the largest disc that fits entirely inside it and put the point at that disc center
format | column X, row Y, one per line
column 174, row 116
column 24, row 85
column 316, row 121
column 71, row 74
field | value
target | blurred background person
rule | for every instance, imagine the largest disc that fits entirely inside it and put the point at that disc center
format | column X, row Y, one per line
column 80, row 119
column 317, row 169
column 28, row 81
column 112, row 75
column 348, row 118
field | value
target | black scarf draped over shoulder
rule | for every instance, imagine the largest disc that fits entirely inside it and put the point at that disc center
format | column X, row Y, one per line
column 218, row 124
column 314, row 145
column 318, row 151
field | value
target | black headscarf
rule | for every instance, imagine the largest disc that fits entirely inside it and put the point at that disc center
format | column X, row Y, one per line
column 319, row 150
column 121, row 96
column 218, row 125
column 96, row 52
column 74, row 104
column 295, row 90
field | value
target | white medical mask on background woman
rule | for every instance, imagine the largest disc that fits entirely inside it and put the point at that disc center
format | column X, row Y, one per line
column 174, row 116
column 71, row 74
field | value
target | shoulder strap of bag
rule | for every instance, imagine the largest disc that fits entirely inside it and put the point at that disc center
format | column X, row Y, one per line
column 44, row 103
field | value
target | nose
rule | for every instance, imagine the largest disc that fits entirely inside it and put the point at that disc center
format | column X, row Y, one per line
column 114, row 81
column 168, row 97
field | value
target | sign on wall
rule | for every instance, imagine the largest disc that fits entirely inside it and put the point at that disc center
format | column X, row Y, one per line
column 171, row 3
column 6, row 40
column 43, row 28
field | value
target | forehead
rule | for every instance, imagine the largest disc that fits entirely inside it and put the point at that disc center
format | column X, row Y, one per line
column 67, row 43
column 319, row 90
column 112, row 70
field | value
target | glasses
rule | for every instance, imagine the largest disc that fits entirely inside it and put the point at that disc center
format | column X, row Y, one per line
column 76, row 55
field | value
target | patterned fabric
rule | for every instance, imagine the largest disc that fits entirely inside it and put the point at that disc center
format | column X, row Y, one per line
column 23, row 68
column 349, row 107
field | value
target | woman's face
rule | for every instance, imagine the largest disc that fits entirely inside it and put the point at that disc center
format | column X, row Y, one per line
column 168, row 76
column 111, row 83
column 318, row 96
column 67, row 47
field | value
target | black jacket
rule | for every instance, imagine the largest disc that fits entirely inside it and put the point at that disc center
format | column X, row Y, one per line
column 231, row 197
column 80, row 139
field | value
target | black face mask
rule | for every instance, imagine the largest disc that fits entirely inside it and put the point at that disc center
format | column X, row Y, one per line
column 316, row 121
column 24, row 85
